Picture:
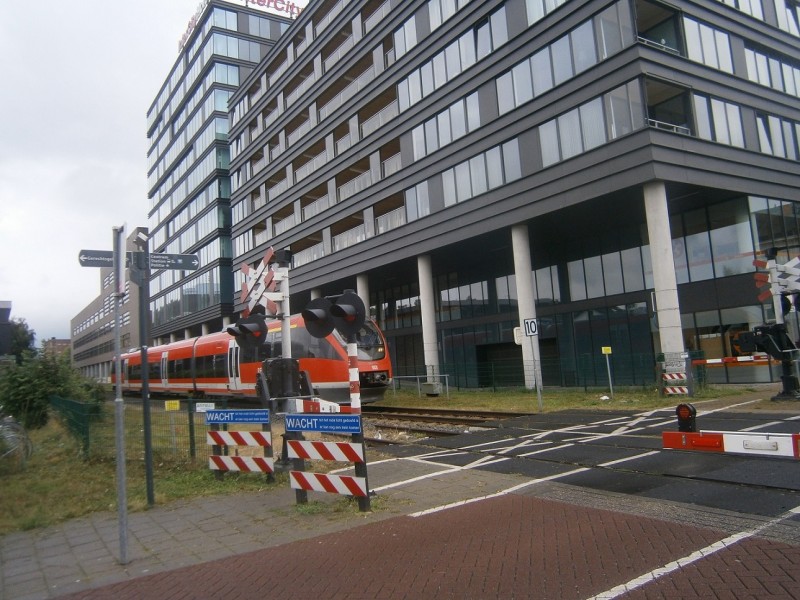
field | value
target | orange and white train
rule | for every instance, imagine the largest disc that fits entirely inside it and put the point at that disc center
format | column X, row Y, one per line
column 215, row 365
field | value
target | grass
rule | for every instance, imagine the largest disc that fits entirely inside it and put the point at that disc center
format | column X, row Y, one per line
column 56, row 484
column 527, row 401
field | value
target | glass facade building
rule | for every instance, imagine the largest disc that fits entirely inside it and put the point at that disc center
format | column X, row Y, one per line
column 609, row 168
column 188, row 160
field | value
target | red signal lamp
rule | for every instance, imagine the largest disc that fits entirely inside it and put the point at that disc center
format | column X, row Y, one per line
column 687, row 417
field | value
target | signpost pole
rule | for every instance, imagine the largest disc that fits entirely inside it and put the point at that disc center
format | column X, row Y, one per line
column 607, row 351
column 143, row 258
column 119, row 403
column 531, row 331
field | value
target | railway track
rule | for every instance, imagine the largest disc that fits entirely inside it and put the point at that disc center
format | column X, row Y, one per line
column 403, row 424
column 436, row 415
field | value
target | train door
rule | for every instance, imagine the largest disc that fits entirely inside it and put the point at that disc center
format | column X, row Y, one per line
column 234, row 374
column 164, row 374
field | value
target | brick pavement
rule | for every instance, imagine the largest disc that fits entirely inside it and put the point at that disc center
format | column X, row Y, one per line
column 511, row 546
column 546, row 540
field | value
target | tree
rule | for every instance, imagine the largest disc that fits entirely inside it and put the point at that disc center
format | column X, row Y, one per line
column 26, row 388
column 23, row 340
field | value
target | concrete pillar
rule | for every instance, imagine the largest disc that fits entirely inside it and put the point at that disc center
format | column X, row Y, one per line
column 362, row 289
column 206, row 329
column 526, row 302
column 666, row 287
column 316, row 293
column 430, row 346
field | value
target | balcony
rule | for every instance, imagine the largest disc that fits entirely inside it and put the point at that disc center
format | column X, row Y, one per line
column 391, row 165
column 315, row 163
column 295, row 136
column 261, row 237
column 284, row 225
column 278, row 72
column 381, row 118
column 343, row 144
column 349, row 238
column 379, row 15
column 337, row 54
column 326, row 20
column 355, row 185
column 316, row 207
column 301, row 89
column 303, row 257
column 351, row 90
column 258, row 164
column 277, row 189
column 669, row 127
column 391, row 220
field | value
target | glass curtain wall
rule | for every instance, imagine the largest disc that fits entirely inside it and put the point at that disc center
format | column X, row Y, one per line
column 476, row 315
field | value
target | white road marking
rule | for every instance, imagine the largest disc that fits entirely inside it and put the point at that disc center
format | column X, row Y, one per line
column 687, row 560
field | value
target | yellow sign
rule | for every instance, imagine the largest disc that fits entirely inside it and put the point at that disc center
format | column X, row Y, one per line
column 606, row 349
column 172, row 404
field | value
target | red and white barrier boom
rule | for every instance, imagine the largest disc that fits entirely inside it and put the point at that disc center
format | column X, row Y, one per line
column 735, row 442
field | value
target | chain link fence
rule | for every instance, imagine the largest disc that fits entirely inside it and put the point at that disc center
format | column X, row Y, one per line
column 177, row 430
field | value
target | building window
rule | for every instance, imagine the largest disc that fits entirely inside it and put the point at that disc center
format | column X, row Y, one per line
column 587, row 127
column 778, row 137
column 537, row 9
column 460, row 118
column 788, row 12
column 718, row 121
column 417, row 202
column 750, row 7
column 486, row 171
column 565, row 58
column 405, row 38
column 707, row 45
column 773, row 72
column 458, row 56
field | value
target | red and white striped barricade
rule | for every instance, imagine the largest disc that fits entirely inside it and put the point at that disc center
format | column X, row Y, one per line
column 221, row 440
column 676, row 375
column 301, row 450
column 735, row 442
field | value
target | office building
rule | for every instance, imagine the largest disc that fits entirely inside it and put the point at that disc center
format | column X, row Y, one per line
column 609, row 168
column 188, row 157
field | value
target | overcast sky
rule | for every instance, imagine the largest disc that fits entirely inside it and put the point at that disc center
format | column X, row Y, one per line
column 78, row 80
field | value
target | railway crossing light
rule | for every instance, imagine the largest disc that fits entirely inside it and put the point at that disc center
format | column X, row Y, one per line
column 251, row 331
column 318, row 318
column 686, row 414
column 349, row 313
column 345, row 313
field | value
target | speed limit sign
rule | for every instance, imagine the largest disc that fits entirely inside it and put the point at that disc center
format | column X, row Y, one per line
column 531, row 327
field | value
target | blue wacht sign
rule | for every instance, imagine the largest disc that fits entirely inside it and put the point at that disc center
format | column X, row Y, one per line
column 221, row 417
column 332, row 423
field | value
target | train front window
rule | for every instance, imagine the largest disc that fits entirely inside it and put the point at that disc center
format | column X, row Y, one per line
column 370, row 343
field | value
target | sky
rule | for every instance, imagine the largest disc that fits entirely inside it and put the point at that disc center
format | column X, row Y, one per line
column 79, row 78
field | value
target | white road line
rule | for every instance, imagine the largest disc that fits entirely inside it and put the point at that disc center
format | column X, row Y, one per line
column 687, row 560
column 622, row 460
column 442, row 507
column 755, row 427
column 523, row 485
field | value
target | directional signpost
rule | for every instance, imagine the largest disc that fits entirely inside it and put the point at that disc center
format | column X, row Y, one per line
column 100, row 258
column 183, row 262
column 139, row 264
column 105, row 258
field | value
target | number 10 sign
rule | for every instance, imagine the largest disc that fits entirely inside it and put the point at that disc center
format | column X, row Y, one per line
column 531, row 327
